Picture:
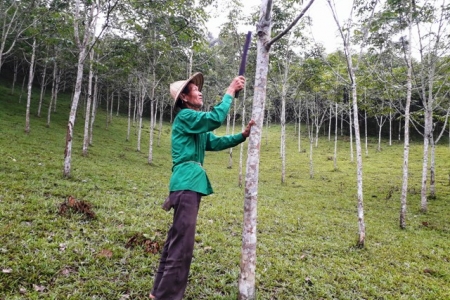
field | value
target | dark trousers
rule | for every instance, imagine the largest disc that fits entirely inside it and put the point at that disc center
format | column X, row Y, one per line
column 172, row 275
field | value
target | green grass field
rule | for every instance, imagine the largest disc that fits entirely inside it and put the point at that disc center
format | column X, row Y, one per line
column 307, row 228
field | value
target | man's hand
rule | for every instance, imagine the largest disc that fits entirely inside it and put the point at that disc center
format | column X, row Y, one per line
column 236, row 85
column 247, row 129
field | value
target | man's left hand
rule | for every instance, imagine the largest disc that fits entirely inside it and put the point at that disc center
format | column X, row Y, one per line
column 247, row 129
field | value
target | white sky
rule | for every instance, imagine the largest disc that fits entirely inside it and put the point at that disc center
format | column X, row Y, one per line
column 323, row 30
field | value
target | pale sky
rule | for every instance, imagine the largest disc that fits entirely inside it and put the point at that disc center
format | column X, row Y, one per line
column 323, row 30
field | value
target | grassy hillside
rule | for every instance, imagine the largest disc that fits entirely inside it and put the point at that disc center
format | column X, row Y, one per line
column 307, row 228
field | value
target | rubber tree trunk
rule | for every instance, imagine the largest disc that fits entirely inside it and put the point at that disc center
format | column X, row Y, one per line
column 29, row 87
column 88, row 104
column 247, row 276
column 403, row 197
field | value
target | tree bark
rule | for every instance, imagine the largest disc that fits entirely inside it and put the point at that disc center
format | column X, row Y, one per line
column 82, row 45
column 94, row 110
column 43, row 85
column 404, row 195
column 88, row 105
column 247, row 275
column 129, row 115
column 335, row 137
column 30, row 87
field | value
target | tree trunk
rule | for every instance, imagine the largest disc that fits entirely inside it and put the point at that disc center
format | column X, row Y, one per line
column 311, row 141
column 43, row 85
column 351, row 134
column 16, row 70
column 140, row 111
column 247, row 275
column 335, row 138
column 379, row 135
column 94, row 110
column 23, row 87
column 129, row 115
column 299, row 125
column 284, row 90
column 30, row 87
column 359, row 168
column 73, row 113
column 118, row 103
column 55, row 70
column 107, row 107
column 432, row 170
column 82, row 45
column 161, row 113
column 390, row 124
column 403, row 197
column 152, row 126
column 88, row 104
column 111, row 108
column 365, row 125
column 329, row 123
column 58, row 81
column 426, row 148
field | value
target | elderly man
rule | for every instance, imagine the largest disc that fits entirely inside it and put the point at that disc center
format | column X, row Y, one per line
column 191, row 137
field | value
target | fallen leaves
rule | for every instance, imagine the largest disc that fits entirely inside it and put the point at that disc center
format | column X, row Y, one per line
column 149, row 244
column 105, row 253
column 78, row 206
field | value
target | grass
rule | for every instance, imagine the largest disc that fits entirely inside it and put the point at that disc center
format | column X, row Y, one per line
column 307, row 228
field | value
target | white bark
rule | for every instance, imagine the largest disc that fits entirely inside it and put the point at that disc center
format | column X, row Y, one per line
column 380, row 121
column 161, row 112
column 284, row 89
column 351, row 133
column 433, row 158
column 299, row 125
column 335, row 137
column 30, row 87
column 94, row 110
column 129, row 115
column 58, row 81
column 90, row 22
column 403, row 197
column 55, row 72
column 365, row 125
column 12, row 26
column 351, row 72
column 140, row 111
column 247, row 275
column 311, row 142
column 118, row 103
column 43, row 85
column 329, row 123
column 152, row 126
column 88, row 104
column 432, row 46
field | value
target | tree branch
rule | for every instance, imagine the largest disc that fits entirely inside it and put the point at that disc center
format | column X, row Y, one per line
column 279, row 36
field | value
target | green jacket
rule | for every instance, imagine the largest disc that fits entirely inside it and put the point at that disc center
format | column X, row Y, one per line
column 191, row 137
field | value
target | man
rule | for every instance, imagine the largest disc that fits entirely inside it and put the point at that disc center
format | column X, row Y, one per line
column 191, row 137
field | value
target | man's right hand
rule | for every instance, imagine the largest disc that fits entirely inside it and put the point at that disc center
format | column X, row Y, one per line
column 236, row 84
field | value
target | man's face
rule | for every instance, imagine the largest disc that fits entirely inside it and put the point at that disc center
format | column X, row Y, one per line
column 194, row 98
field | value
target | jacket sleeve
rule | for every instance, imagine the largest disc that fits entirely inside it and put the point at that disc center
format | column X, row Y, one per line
column 194, row 122
column 215, row 143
